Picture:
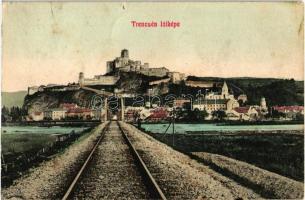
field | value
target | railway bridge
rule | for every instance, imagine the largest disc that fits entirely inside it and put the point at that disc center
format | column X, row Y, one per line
column 105, row 114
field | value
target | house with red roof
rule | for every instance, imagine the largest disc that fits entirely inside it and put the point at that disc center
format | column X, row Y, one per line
column 79, row 113
column 247, row 113
column 130, row 115
column 158, row 114
column 68, row 106
column 287, row 109
column 290, row 112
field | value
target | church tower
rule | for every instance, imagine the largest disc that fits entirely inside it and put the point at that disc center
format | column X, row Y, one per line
column 263, row 103
column 81, row 79
column 225, row 90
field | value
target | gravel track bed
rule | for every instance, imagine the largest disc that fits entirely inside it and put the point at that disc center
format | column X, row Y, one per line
column 112, row 173
column 181, row 177
column 49, row 180
column 273, row 185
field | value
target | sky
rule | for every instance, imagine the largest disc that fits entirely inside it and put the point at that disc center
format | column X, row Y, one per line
column 46, row 43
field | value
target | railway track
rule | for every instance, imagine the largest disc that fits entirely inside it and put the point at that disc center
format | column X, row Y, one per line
column 113, row 170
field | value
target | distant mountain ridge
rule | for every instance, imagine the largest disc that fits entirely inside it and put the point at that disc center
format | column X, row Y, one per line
column 10, row 99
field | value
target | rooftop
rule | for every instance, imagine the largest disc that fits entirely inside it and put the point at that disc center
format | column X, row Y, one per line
column 288, row 108
column 210, row 101
column 242, row 109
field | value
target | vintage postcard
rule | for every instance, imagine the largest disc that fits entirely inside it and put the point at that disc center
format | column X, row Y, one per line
column 152, row 100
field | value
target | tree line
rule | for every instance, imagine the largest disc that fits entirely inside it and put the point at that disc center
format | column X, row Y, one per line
column 13, row 114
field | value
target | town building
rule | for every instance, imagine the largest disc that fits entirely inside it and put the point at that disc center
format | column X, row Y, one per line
column 231, row 104
column 181, row 102
column 158, row 114
column 289, row 112
column 68, row 106
column 37, row 116
column 248, row 113
column 55, row 114
column 224, row 94
column 134, row 112
column 214, row 101
column 263, row 104
column 210, row 105
column 288, row 109
column 79, row 113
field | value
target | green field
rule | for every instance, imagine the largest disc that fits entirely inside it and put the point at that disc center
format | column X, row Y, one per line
column 24, row 147
column 17, row 143
column 281, row 152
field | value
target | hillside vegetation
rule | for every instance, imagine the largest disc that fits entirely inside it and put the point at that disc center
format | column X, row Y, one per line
column 276, row 91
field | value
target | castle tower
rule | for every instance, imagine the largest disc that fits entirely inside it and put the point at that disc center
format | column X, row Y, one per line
column 125, row 54
column 81, row 79
column 124, row 58
column 110, row 67
column 225, row 90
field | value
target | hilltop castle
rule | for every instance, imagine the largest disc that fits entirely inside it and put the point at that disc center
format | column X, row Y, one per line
column 124, row 64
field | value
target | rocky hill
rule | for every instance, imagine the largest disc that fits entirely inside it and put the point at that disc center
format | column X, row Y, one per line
column 43, row 100
column 276, row 91
column 128, row 83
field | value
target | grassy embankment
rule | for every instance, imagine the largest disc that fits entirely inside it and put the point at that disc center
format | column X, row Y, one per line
column 18, row 143
column 279, row 152
column 23, row 151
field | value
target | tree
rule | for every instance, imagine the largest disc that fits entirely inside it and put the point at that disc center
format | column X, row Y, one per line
column 205, row 114
column 17, row 114
column 275, row 114
column 195, row 115
column 5, row 112
column 299, row 117
column 219, row 115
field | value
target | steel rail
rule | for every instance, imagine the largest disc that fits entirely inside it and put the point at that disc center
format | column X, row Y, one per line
column 152, row 185
column 84, row 166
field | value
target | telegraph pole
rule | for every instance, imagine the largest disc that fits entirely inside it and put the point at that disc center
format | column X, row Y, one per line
column 106, row 112
column 173, row 122
column 122, row 109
